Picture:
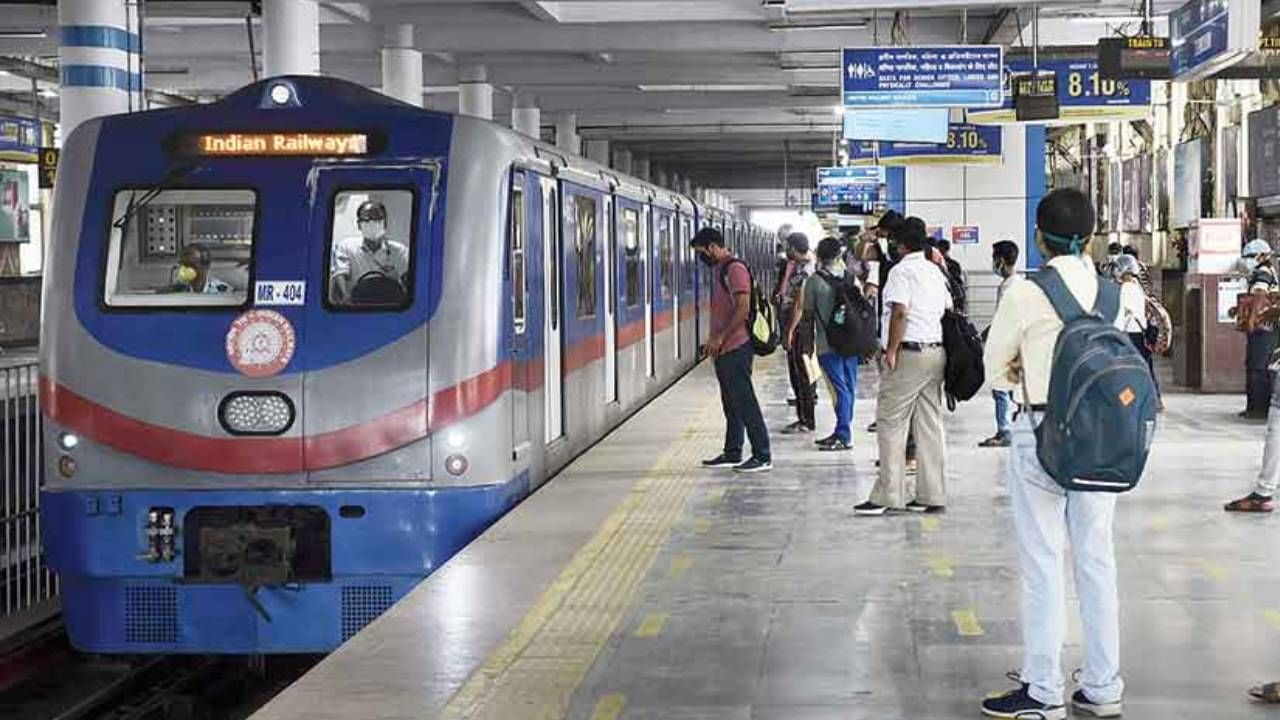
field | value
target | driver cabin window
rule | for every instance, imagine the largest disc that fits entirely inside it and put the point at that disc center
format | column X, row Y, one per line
column 180, row 248
column 370, row 250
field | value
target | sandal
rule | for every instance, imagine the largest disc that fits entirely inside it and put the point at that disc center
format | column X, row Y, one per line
column 1267, row 694
column 1252, row 503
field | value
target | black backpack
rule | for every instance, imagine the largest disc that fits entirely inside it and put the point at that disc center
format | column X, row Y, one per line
column 762, row 326
column 851, row 329
column 965, row 372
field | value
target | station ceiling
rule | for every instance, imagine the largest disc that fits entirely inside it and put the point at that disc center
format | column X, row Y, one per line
column 737, row 94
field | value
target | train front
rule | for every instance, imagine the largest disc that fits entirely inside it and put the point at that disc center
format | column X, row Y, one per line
column 235, row 374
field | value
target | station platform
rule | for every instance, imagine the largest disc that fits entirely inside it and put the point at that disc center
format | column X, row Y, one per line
column 638, row 585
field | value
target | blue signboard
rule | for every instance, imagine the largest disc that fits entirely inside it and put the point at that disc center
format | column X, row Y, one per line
column 19, row 138
column 1083, row 94
column 966, row 144
column 852, row 185
column 964, row 235
column 945, row 76
column 925, row 125
column 1198, row 35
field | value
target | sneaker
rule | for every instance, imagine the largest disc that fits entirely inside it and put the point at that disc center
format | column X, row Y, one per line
column 999, row 440
column 1081, row 703
column 919, row 507
column 1019, row 705
column 826, row 441
column 869, row 509
column 795, row 428
column 722, row 460
column 872, row 427
column 834, row 445
column 754, row 465
column 791, row 402
column 1253, row 502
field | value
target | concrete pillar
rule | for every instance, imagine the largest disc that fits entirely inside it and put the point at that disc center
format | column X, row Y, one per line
column 96, row 52
column 688, row 186
column 291, row 42
column 567, row 133
column 675, row 182
column 475, row 94
column 402, row 65
column 526, row 118
column 622, row 160
column 640, row 168
column 598, row 151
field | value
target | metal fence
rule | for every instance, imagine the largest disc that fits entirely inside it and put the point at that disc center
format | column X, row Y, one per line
column 25, row 582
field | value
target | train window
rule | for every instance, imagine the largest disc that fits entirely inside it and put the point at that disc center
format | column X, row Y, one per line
column 180, row 248
column 665, row 254
column 631, row 249
column 370, row 249
column 518, row 289
column 584, row 246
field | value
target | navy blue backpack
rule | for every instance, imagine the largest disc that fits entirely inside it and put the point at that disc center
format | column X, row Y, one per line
column 1101, row 416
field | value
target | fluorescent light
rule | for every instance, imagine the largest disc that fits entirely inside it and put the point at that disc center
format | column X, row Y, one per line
column 713, row 88
column 838, row 110
column 23, row 33
column 440, row 89
column 852, row 25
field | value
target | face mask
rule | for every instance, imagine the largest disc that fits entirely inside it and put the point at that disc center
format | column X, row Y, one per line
column 998, row 268
column 186, row 274
column 373, row 230
column 706, row 259
column 1251, row 263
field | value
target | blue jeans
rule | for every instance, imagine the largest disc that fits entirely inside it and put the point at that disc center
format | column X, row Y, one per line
column 1003, row 400
column 843, row 374
column 741, row 408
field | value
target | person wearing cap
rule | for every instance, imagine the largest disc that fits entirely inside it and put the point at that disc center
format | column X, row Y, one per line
column 910, row 398
column 1019, row 357
column 730, row 348
column 797, row 336
column 369, row 254
column 1261, row 337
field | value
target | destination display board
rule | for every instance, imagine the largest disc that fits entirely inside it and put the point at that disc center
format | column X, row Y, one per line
column 937, row 76
column 1083, row 93
column 303, row 143
column 849, row 185
column 1207, row 36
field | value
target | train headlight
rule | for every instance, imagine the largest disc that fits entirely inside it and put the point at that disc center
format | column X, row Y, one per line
column 455, row 439
column 68, row 441
column 256, row 413
column 281, row 94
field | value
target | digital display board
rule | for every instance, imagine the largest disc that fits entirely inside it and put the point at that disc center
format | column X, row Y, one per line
column 939, row 76
column 926, row 125
column 1144, row 56
column 280, row 144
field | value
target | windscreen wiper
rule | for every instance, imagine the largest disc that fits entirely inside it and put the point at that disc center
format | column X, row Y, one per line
column 136, row 202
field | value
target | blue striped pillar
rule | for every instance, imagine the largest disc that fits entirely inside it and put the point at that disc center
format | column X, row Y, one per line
column 100, row 60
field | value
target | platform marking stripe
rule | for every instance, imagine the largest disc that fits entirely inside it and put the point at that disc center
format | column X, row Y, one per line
column 967, row 623
column 610, row 707
column 680, row 565
column 715, row 495
column 941, row 566
column 930, row 525
column 701, row 526
column 1272, row 617
column 651, row 625
column 534, row 672
column 1212, row 569
column 1160, row 523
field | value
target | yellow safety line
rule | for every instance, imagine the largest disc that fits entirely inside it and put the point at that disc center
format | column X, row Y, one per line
column 1212, row 569
column 1273, row 618
column 929, row 524
column 967, row 623
column 651, row 625
column 701, row 526
column 941, row 566
column 610, row 707
column 1160, row 523
column 715, row 495
column 680, row 565
column 533, row 674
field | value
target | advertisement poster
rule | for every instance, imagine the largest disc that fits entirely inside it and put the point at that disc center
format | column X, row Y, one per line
column 1229, row 290
column 15, row 207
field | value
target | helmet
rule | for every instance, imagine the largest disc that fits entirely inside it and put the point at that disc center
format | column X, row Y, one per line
column 1255, row 248
column 371, row 210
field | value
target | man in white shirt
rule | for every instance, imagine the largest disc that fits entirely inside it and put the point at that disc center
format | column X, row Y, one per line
column 1019, row 357
column 915, row 297
column 371, row 254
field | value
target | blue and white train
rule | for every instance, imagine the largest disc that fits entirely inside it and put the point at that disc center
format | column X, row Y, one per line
column 265, row 421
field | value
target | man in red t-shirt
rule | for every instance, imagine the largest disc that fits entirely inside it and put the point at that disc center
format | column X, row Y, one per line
column 730, row 348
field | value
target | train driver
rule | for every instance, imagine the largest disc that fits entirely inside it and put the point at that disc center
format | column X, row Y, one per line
column 193, row 273
column 371, row 256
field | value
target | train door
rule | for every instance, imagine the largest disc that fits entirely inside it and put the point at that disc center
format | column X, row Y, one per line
column 520, row 214
column 552, row 301
column 677, row 270
column 650, row 278
column 610, row 303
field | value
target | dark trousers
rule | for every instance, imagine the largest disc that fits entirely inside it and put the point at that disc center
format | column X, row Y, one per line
column 1257, row 379
column 1139, row 341
column 804, row 387
column 741, row 409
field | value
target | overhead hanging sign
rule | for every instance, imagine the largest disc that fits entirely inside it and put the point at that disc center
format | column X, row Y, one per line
column 19, row 139
column 1207, row 36
column 849, row 185
column 48, row 167
column 940, row 76
column 924, row 125
column 966, row 144
column 1083, row 93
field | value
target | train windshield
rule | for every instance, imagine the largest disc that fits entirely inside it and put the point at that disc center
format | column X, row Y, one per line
column 180, row 248
column 370, row 250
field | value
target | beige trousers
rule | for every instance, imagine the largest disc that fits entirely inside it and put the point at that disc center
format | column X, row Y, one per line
column 911, row 398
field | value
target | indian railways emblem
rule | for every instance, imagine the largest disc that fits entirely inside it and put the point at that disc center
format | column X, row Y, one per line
column 260, row 343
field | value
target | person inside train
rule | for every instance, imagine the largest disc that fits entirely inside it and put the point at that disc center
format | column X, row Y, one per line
column 193, row 274
column 797, row 335
column 730, row 348
column 910, row 398
column 1004, row 263
column 369, row 268
column 1261, row 336
column 1019, row 357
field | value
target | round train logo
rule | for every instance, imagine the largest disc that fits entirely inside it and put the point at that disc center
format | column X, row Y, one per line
column 260, row 343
